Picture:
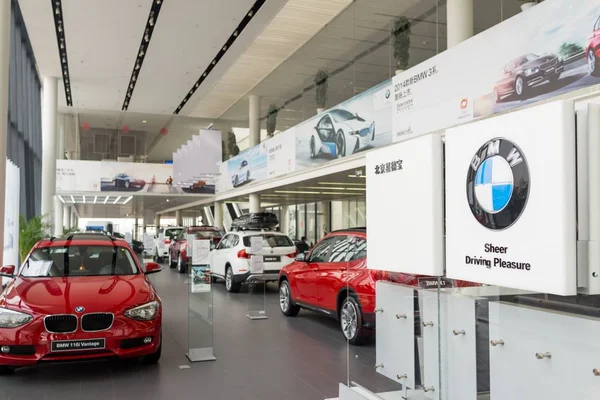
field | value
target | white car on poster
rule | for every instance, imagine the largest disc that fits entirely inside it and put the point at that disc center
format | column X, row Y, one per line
column 339, row 133
column 241, row 175
column 230, row 259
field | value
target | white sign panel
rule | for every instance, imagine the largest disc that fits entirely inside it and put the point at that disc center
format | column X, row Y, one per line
column 405, row 207
column 510, row 200
column 200, row 251
column 281, row 150
column 256, row 264
column 256, row 244
column 149, row 243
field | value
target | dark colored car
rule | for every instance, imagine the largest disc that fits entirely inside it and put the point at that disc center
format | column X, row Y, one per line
column 527, row 71
column 79, row 298
column 593, row 50
column 255, row 221
column 136, row 245
column 333, row 279
column 178, row 252
column 127, row 182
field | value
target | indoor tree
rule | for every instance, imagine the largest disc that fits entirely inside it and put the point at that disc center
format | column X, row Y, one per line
column 401, row 42
column 30, row 232
column 321, row 89
column 272, row 119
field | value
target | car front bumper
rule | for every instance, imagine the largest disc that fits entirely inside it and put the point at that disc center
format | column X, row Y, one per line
column 125, row 339
column 544, row 75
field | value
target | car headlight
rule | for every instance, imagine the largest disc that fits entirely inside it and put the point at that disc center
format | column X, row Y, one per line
column 13, row 319
column 145, row 312
column 353, row 133
column 531, row 71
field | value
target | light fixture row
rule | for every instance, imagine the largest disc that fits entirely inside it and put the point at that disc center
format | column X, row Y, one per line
column 81, row 199
column 59, row 27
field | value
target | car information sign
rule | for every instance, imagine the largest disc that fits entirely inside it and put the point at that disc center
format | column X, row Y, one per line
column 200, row 251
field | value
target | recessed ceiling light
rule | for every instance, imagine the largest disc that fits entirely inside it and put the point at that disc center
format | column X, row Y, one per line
column 167, row 200
column 144, row 121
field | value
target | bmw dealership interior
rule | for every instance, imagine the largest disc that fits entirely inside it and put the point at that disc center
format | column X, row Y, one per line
column 185, row 196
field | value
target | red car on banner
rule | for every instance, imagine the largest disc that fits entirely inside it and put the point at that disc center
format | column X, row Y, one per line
column 593, row 50
column 178, row 252
column 79, row 298
column 333, row 279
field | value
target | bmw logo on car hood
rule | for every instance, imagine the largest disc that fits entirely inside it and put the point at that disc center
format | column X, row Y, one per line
column 79, row 309
column 498, row 184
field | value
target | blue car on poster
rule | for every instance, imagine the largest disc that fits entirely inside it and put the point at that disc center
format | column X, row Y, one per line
column 340, row 132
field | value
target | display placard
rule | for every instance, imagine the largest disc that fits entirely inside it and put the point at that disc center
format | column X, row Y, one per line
column 405, row 207
column 149, row 242
column 257, row 265
column 200, row 251
column 510, row 200
column 256, row 244
column 200, row 279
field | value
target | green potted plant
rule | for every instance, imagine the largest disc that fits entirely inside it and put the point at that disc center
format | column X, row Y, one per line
column 401, row 43
column 272, row 120
column 527, row 4
column 30, row 232
column 321, row 89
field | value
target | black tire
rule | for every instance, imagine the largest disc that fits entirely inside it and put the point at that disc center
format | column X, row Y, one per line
column 593, row 63
column 288, row 308
column 154, row 357
column 313, row 150
column 181, row 266
column 340, row 144
column 171, row 263
column 230, row 285
column 4, row 370
column 247, row 176
column 359, row 335
column 235, row 181
column 523, row 85
column 373, row 137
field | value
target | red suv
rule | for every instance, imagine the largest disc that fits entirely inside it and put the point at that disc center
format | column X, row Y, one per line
column 79, row 298
column 333, row 279
column 593, row 50
column 178, row 256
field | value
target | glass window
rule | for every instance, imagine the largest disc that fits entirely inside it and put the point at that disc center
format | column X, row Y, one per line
column 311, row 223
column 271, row 241
column 358, row 249
column 321, row 251
column 79, row 261
column 340, row 249
column 234, row 240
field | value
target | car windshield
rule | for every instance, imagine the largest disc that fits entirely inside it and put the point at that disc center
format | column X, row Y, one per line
column 342, row 115
column 173, row 234
column 79, row 261
column 531, row 57
column 271, row 240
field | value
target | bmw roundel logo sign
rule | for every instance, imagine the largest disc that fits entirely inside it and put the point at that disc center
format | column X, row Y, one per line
column 79, row 309
column 498, row 184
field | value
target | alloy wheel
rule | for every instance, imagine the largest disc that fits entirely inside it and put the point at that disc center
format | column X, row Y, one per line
column 519, row 86
column 312, row 148
column 284, row 297
column 340, row 145
column 228, row 279
column 179, row 263
column 349, row 320
column 592, row 61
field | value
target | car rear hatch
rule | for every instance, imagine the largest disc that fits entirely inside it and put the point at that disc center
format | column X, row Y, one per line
column 278, row 251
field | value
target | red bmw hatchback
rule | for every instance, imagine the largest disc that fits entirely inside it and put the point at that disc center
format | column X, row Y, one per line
column 79, row 298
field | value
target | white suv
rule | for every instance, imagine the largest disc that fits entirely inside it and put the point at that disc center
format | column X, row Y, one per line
column 230, row 260
column 163, row 239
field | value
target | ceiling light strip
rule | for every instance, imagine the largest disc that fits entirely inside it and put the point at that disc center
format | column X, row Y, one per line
column 232, row 38
column 142, row 50
column 61, row 41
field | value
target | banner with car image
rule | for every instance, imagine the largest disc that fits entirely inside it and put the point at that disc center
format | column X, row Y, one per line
column 247, row 167
column 548, row 50
column 111, row 176
column 358, row 124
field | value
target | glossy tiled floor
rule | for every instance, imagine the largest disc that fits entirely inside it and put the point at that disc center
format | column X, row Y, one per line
column 292, row 358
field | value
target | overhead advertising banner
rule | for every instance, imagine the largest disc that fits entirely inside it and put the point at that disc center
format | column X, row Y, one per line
column 135, row 178
column 281, row 150
column 549, row 50
column 358, row 124
column 511, row 200
column 405, row 191
column 247, row 167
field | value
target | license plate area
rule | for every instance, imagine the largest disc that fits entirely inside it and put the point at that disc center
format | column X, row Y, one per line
column 58, row 346
column 272, row 258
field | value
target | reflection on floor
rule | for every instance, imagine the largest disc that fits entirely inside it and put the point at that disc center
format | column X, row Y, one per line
column 292, row 358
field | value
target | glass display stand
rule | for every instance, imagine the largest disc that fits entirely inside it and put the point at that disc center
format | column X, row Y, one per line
column 257, row 300
column 200, row 315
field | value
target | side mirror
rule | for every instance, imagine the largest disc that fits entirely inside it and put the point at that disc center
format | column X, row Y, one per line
column 301, row 257
column 152, row 268
column 213, row 246
column 7, row 270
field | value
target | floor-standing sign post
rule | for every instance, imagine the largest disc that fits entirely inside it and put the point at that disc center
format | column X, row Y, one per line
column 256, row 311
column 200, row 304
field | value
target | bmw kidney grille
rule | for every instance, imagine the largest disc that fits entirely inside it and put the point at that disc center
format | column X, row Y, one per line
column 96, row 322
column 61, row 323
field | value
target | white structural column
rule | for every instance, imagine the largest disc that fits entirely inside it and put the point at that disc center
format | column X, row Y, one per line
column 254, row 119
column 59, row 210
column 157, row 222
column 49, row 99
column 73, row 222
column 178, row 219
column 284, row 223
column 460, row 21
column 324, row 208
column 218, row 217
column 58, row 216
column 254, row 203
column 67, row 216
column 4, row 57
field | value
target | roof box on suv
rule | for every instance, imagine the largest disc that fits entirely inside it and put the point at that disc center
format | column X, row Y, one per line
column 255, row 221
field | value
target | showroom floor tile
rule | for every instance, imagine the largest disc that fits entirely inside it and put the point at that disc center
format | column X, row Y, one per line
column 293, row 358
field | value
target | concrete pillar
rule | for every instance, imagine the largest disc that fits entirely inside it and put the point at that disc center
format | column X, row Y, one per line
column 4, row 58
column 218, row 217
column 459, row 14
column 58, row 217
column 254, row 120
column 67, row 216
column 60, row 137
column 178, row 218
column 135, row 229
column 324, row 207
column 284, row 223
column 254, row 203
column 49, row 100
column 73, row 216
